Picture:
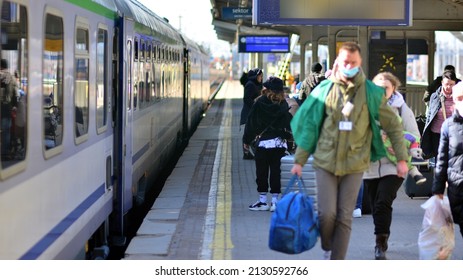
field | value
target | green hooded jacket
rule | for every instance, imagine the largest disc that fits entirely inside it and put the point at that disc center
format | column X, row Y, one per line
column 315, row 127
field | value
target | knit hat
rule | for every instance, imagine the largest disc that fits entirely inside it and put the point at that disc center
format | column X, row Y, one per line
column 316, row 67
column 274, row 84
column 253, row 73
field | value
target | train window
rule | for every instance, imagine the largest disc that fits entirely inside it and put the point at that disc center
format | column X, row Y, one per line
column 82, row 40
column 52, row 84
column 142, row 81
column 148, row 52
column 101, row 74
column 81, row 77
column 155, row 52
column 157, row 82
column 136, row 48
column 139, row 93
column 163, row 84
column 153, row 49
column 13, row 87
column 142, row 49
column 153, row 86
column 129, row 75
column 136, row 86
column 147, row 84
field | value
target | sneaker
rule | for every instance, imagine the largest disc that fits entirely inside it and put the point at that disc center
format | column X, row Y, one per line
column 357, row 213
column 326, row 255
column 419, row 179
column 273, row 207
column 259, row 206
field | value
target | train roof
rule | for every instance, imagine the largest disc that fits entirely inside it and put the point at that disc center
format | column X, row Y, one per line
column 192, row 45
column 142, row 15
column 155, row 23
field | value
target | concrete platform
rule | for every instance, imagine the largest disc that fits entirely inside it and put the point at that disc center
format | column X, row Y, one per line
column 202, row 211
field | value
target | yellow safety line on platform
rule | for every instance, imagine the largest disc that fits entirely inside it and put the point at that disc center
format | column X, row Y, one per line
column 222, row 243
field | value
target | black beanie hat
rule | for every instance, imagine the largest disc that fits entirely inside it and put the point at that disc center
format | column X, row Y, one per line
column 274, row 84
column 253, row 73
column 316, row 67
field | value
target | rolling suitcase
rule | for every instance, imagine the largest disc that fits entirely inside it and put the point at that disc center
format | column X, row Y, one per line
column 308, row 175
column 423, row 190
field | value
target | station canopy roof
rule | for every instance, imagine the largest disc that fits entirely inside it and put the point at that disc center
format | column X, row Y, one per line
column 226, row 27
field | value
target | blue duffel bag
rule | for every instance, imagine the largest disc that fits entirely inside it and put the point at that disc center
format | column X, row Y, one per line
column 294, row 224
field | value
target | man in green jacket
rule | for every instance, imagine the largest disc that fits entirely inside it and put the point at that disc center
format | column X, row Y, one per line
column 339, row 125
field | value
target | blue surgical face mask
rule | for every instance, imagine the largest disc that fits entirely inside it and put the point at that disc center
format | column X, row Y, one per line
column 350, row 73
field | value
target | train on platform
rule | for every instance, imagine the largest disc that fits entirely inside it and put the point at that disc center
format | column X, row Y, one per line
column 97, row 98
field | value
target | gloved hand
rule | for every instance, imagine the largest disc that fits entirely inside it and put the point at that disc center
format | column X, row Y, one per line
column 416, row 153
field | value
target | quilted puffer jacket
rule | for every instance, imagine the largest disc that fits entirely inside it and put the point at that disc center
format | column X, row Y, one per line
column 449, row 165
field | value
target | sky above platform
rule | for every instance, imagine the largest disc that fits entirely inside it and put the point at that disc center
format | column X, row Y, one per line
column 193, row 18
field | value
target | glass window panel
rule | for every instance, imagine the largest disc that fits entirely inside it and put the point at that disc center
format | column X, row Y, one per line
column 82, row 39
column 13, row 84
column 81, row 96
column 101, row 94
column 52, row 82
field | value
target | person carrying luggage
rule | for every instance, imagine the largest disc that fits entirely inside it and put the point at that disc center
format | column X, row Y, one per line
column 323, row 126
column 449, row 164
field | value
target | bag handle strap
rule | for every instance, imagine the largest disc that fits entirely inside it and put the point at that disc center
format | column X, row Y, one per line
column 265, row 129
column 294, row 179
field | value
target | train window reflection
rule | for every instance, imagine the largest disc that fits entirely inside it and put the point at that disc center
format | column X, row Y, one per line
column 13, row 84
column 81, row 83
column 101, row 71
column 129, row 75
column 148, row 52
column 136, row 48
column 53, row 82
column 142, row 49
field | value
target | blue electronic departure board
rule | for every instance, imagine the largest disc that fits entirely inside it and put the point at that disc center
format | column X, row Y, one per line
column 263, row 43
column 333, row 12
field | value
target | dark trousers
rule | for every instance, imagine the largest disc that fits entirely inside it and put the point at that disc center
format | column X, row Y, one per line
column 435, row 139
column 268, row 169
column 382, row 192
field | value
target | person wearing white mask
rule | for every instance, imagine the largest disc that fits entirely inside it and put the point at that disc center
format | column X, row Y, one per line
column 337, row 124
column 449, row 164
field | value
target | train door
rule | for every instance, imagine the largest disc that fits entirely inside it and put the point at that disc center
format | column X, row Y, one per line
column 123, row 124
column 127, row 127
column 186, row 94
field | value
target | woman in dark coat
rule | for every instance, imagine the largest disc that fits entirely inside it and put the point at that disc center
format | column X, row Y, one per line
column 269, row 118
column 449, row 165
column 252, row 90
